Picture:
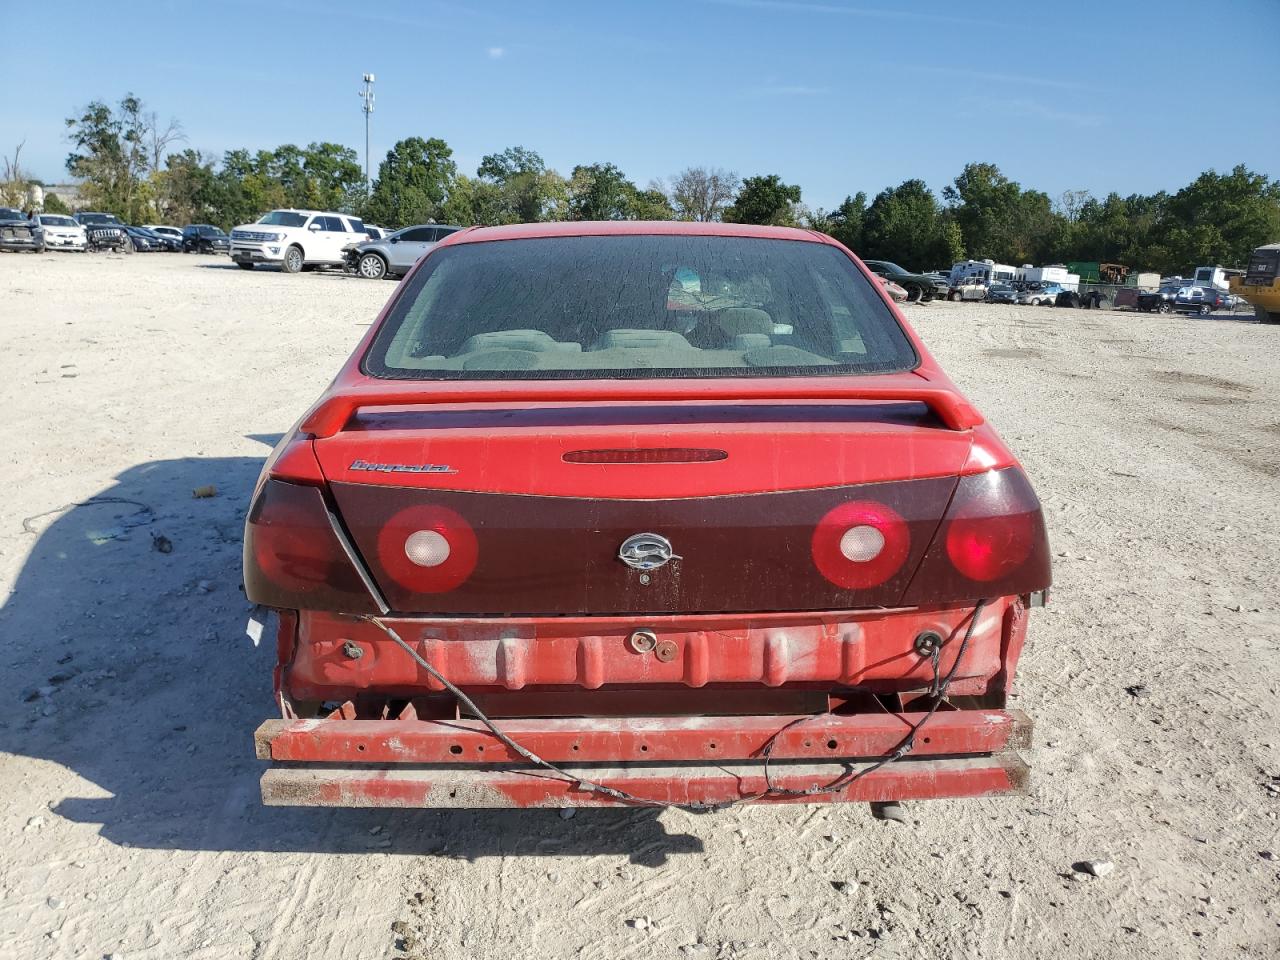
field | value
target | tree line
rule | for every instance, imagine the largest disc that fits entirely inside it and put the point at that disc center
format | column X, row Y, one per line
column 129, row 164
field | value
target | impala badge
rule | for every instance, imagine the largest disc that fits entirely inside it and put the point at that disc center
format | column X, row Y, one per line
column 401, row 467
column 646, row 551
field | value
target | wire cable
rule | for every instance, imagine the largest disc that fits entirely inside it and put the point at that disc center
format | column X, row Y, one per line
column 938, row 692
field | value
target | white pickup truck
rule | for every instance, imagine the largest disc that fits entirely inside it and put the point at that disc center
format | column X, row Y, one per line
column 294, row 239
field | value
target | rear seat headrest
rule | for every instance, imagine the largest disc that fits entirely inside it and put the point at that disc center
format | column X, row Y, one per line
column 643, row 340
column 736, row 320
column 536, row 341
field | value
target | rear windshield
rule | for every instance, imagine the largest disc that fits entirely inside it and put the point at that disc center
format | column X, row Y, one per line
column 637, row 307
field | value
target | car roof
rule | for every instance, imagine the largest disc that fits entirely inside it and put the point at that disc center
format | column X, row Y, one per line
column 312, row 213
column 631, row 228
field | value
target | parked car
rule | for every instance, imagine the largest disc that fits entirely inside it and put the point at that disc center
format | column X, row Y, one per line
column 919, row 286
column 144, row 241
column 169, row 233
column 968, row 288
column 1001, row 293
column 899, row 294
column 1161, row 300
column 105, row 231
column 375, row 232
column 19, row 233
column 204, row 238
column 393, row 256
column 1041, row 295
column 532, row 492
column 1201, row 300
column 296, row 239
column 60, row 232
column 941, row 282
column 165, row 242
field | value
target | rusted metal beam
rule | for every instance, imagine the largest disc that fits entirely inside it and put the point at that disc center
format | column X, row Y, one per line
column 652, row 739
column 683, row 785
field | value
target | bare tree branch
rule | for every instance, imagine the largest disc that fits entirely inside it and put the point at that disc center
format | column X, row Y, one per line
column 13, row 183
column 699, row 193
column 159, row 139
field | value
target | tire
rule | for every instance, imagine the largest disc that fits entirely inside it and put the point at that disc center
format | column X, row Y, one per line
column 1204, row 310
column 1046, row 303
column 244, row 266
column 1264, row 316
column 953, row 297
column 372, row 267
column 1164, row 308
column 292, row 262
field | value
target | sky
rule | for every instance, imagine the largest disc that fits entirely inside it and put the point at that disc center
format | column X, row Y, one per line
column 836, row 96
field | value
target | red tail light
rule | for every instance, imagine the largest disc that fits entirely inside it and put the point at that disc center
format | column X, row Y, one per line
column 293, row 556
column 860, row 544
column 428, row 548
column 992, row 543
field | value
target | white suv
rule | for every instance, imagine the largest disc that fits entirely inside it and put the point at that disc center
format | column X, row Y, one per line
column 293, row 239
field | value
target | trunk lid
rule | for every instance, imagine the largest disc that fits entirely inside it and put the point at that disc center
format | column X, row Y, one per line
column 737, row 489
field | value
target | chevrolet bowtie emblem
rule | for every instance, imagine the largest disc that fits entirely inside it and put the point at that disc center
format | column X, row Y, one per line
column 646, row 551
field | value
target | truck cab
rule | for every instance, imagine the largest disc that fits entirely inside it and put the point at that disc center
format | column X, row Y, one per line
column 1260, row 284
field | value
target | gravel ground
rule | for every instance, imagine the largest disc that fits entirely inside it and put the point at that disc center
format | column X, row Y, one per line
column 130, row 823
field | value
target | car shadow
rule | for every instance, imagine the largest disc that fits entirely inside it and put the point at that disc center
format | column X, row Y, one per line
column 128, row 664
column 1233, row 317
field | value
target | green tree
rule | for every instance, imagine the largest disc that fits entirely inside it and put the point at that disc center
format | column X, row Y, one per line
column 474, row 202
column 1117, row 229
column 413, row 183
column 247, row 187
column 952, row 242
column 190, row 187
column 600, row 191
column 847, row 221
column 523, row 189
column 998, row 219
column 765, row 200
column 905, row 224
column 110, row 157
column 333, row 178
column 651, row 204
column 53, row 204
column 1219, row 219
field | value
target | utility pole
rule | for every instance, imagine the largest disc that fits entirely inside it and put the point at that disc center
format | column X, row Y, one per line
column 366, row 95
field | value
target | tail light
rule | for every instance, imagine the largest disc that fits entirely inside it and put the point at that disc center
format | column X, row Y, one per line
column 428, row 548
column 646, row 455
column 860, row 544
column 294, row 557
column 991, row 543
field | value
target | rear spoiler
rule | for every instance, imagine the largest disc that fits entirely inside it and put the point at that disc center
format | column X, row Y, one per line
column 328, row 417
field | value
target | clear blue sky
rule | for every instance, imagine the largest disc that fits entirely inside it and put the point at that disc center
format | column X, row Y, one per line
column 836, row 95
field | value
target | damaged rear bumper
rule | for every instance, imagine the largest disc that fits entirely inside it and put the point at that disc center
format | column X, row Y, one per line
column 683, row 761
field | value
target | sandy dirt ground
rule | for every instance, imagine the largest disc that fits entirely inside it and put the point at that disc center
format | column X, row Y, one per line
column 130, row 825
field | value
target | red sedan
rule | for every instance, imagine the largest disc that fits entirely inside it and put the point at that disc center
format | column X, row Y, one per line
column 643, row 513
